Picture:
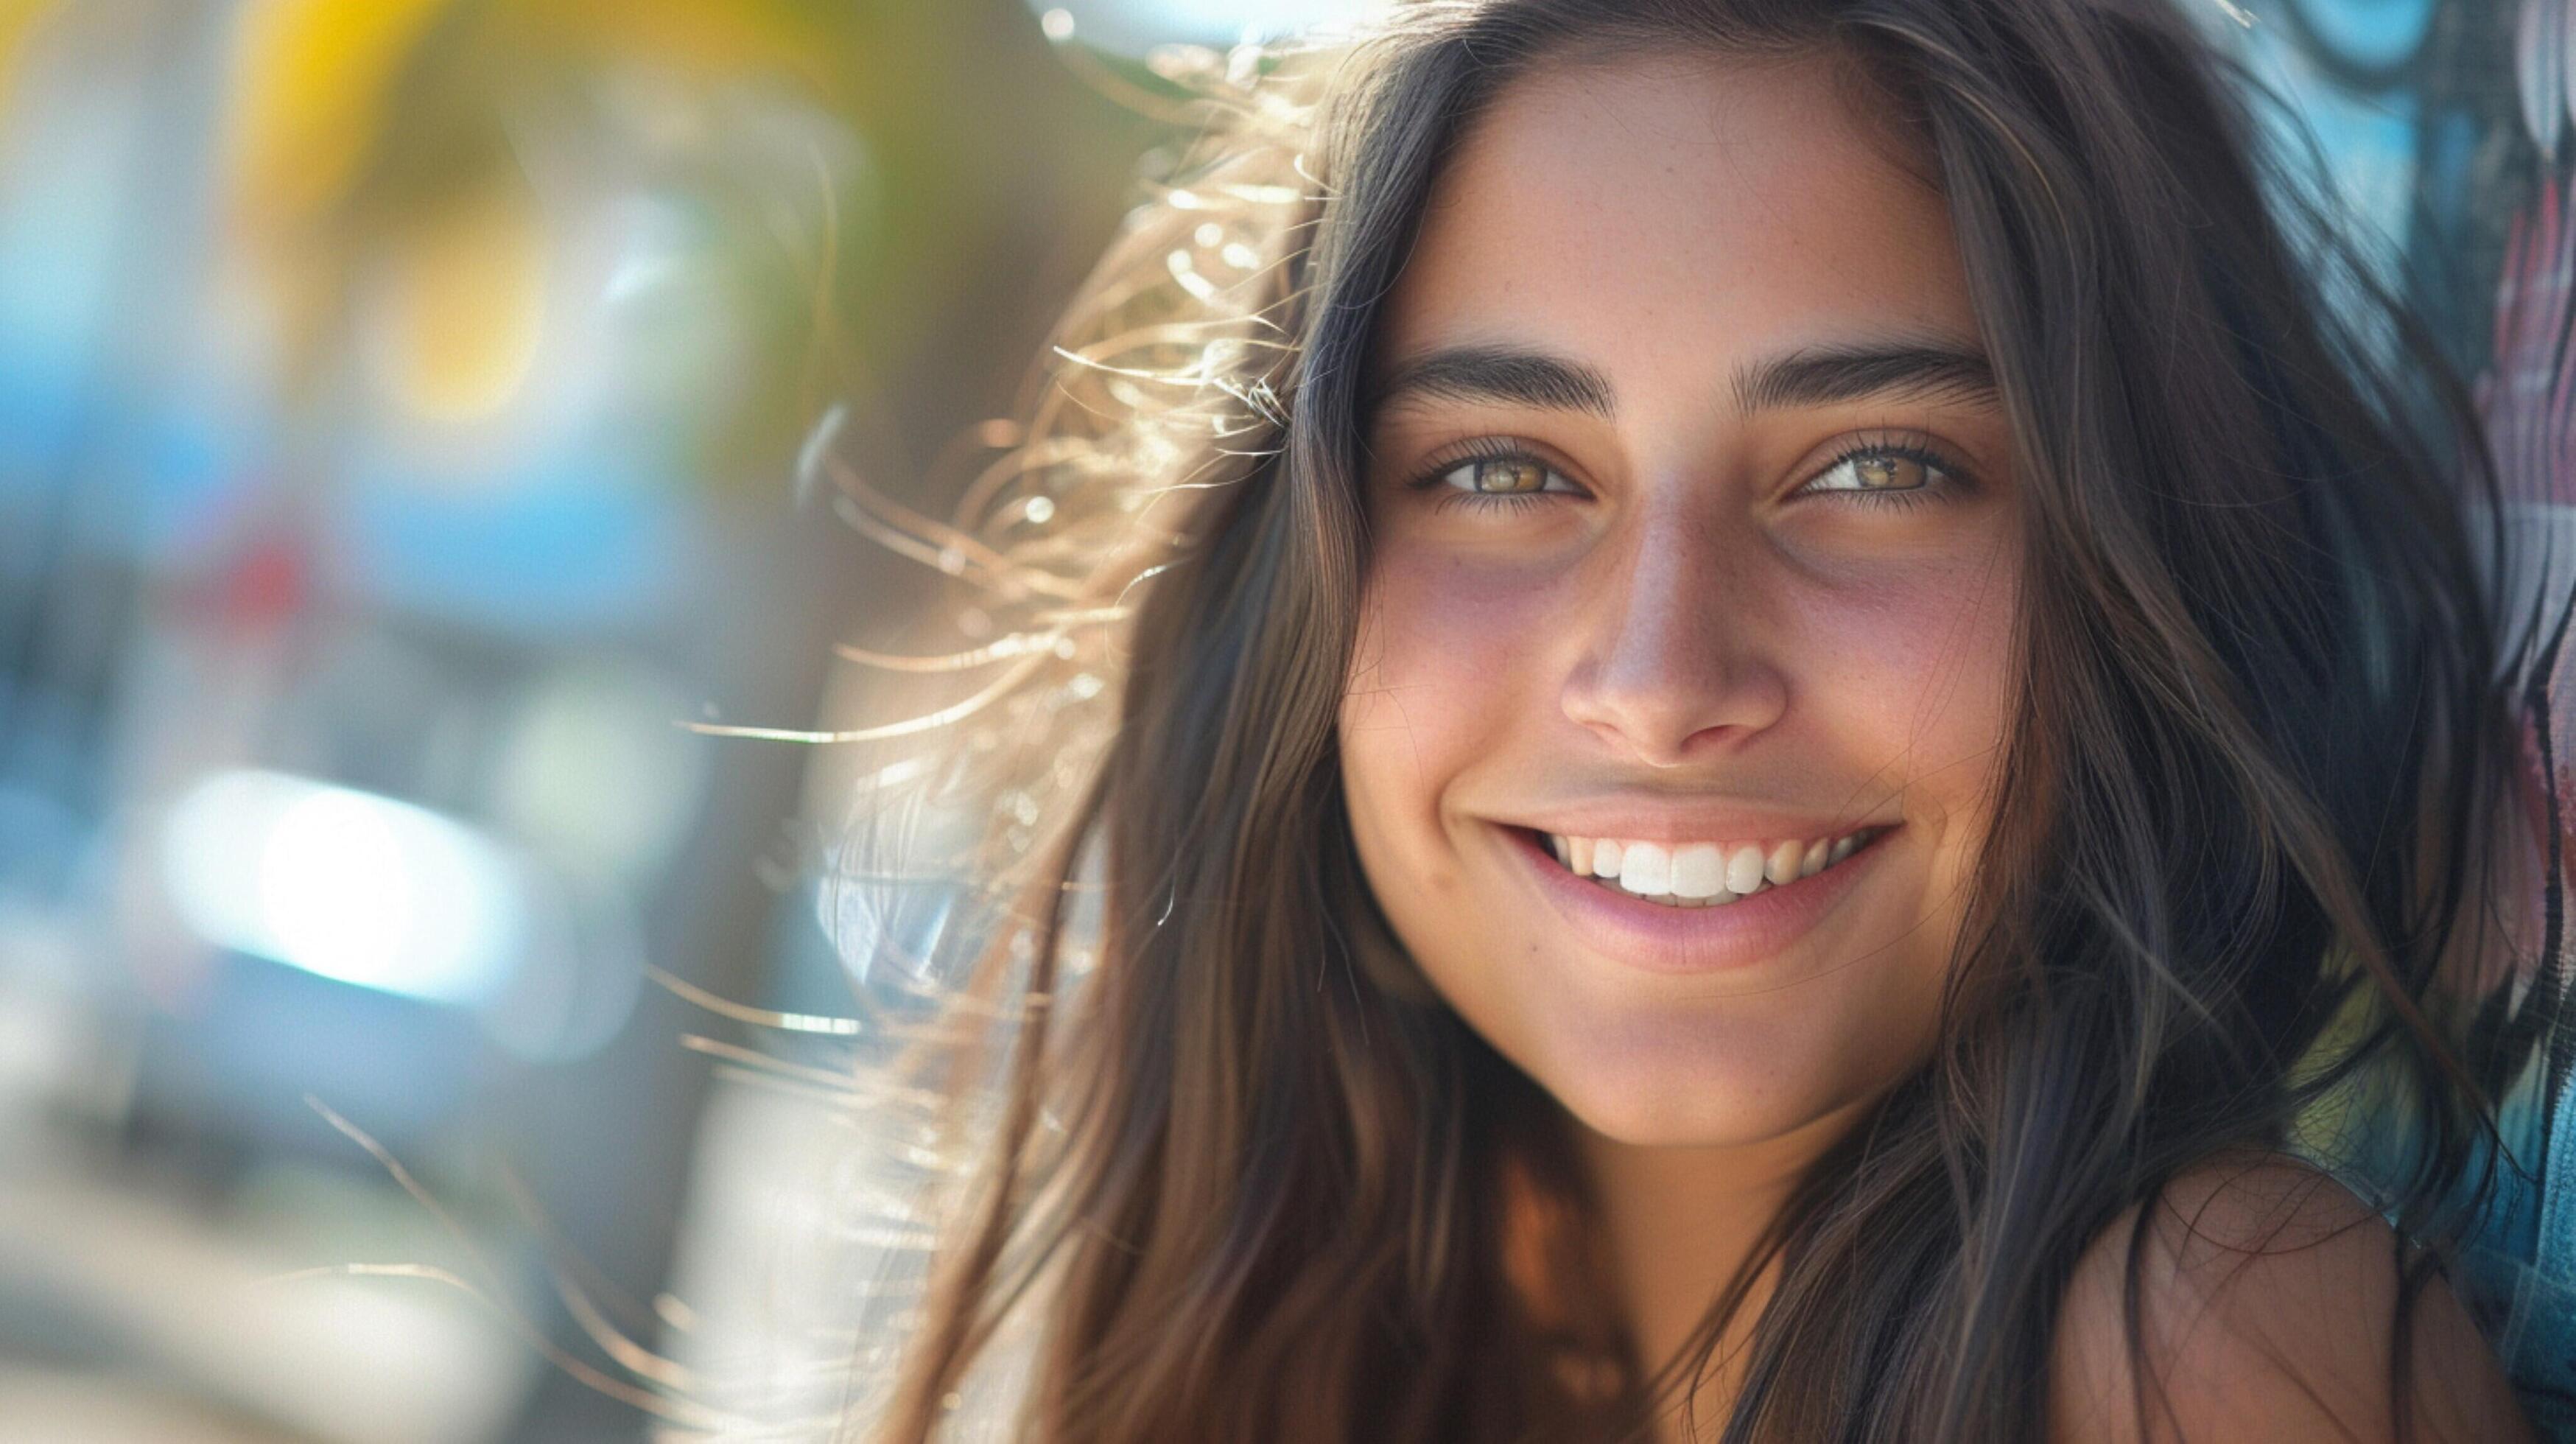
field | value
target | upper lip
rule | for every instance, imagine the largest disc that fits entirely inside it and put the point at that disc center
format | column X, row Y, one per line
column 1678, row 822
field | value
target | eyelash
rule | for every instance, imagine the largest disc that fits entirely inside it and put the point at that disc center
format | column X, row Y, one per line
column 1484, row 448
column 1949, row 475
column 1941, row 473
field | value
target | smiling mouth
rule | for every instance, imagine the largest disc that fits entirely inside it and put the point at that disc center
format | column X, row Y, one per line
column 1700, row 874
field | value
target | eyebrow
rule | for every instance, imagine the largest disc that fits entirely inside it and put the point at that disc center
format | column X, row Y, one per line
column 1499, row 374
column 1808, row 376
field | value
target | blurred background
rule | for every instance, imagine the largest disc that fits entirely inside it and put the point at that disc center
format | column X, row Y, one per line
column 409, row 414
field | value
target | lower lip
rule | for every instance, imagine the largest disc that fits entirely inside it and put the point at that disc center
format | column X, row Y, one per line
column 1660, row 938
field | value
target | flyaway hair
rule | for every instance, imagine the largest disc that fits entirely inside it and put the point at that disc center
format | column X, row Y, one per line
column 1173, row 1141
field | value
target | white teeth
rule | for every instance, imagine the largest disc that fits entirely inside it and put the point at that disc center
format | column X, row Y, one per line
column 1744, row 867
column 1698, row 871
column 1700, row 874
column 1782, row 864
column 1645, row 869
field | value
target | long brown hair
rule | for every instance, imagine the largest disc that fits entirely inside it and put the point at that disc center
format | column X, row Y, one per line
column 1238, row 1173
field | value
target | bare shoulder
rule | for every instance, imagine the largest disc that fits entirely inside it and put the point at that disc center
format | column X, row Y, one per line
column 2268, row 1296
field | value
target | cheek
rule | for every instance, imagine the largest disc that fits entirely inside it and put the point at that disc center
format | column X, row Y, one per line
column 1924, row 671
column 1932, row 676
column 1446, row 664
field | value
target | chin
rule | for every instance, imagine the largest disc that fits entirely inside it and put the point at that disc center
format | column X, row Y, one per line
column 1677, row 1127
column 1699, row 1102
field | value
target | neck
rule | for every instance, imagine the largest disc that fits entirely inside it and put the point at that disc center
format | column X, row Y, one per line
column 1678, row 1221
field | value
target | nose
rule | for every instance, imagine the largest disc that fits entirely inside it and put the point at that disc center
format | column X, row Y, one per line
column 1676, row 666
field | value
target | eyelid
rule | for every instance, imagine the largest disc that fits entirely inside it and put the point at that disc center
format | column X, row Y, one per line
column 1915, row 446
column 1434, row 473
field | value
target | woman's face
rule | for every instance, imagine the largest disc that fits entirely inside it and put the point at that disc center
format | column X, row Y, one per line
column 1694, row 542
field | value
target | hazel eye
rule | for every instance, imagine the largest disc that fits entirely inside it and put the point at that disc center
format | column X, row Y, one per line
column 1500, row 476
column 1885, row 473
column 1876, row 471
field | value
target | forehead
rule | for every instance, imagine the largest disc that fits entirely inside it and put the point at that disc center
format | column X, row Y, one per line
column 1667, row 213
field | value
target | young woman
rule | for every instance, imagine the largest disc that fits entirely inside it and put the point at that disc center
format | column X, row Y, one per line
column 1721, row 718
